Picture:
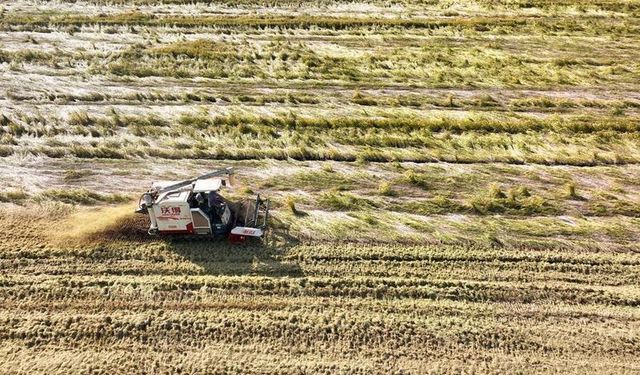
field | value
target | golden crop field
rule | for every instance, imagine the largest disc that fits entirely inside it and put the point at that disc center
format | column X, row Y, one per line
column 455, row 186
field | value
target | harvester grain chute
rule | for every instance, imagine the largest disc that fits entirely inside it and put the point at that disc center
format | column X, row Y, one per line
column 195, row 207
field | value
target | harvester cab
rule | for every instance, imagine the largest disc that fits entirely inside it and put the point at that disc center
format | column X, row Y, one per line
column 195, row 207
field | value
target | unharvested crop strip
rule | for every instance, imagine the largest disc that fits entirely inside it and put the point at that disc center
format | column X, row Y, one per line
column 549, row 24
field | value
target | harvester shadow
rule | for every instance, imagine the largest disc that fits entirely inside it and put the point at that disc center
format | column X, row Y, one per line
column 259, row 257
column 265, row 257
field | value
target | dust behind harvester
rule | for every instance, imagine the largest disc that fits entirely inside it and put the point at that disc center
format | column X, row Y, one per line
column 195, row 207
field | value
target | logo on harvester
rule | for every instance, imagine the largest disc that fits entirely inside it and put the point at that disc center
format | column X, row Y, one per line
column 170, row 211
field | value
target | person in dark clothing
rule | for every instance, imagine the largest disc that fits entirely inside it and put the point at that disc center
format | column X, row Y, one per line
column 216, row 203
column 214, row 199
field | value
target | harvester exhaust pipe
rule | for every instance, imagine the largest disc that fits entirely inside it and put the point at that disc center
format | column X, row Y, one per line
column 146, row 202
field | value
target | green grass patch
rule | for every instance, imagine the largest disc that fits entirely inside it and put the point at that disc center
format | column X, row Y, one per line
column 13, row 196
column 432, row 206
column 77, row 174
column 517, row 201
column 341, row 201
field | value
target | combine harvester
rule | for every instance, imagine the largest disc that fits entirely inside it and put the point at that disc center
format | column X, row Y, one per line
column 194, row 207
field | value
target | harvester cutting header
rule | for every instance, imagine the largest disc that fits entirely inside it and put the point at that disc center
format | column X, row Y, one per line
column 195, row 207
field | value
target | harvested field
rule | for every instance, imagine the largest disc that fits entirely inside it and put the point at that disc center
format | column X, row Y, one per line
column 455, row 186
